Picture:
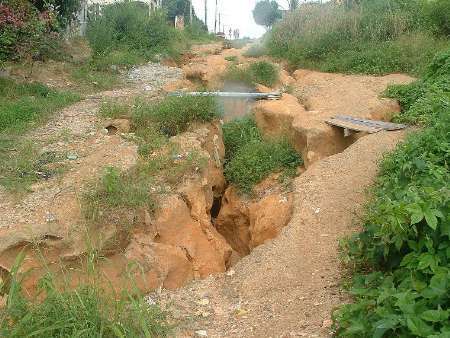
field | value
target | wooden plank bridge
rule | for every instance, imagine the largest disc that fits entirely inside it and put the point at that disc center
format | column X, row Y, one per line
column 350, row 123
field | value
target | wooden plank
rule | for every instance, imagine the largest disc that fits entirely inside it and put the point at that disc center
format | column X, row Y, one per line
column 353, row 126
column 372, row 123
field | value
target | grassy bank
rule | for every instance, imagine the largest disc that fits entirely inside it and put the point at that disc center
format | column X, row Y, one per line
column 374, row 37
column 401, row 260
column 24, row 106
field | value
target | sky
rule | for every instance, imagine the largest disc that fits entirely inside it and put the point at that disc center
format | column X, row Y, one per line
column 235, row 14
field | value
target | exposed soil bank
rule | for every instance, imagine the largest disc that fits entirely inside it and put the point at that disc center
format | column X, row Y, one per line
column 289, row 286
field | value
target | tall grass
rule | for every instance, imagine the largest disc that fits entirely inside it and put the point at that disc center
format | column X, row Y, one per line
column 86, row 311
column 378, row 36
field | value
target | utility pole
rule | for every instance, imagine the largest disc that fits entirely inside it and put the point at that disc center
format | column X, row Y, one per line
column 219, row 21
column 215, row 19
column 206, row 14
column 190, row 12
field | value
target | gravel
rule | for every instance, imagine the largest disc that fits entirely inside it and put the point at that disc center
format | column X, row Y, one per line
column 154, row 75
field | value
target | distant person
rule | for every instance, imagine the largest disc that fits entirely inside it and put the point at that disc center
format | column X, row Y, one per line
column 230, row 32
column 238, row 33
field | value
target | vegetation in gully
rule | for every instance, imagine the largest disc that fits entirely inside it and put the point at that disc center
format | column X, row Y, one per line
column 250, row 158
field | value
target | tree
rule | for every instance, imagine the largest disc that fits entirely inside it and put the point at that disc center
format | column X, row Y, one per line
column 266, row 13
column 293, row 4
column 66, row 9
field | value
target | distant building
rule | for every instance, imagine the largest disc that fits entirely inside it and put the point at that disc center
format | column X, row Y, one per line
column 89, row 5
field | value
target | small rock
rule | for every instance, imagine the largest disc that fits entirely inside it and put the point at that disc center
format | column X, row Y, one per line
column 327, row 323
column 201, row 333
column 49, row 217
column 72, row 156
column 230, row 273
column 204, row 301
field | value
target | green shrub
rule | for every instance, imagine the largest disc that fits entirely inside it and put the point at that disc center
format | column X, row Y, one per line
column 264, row 72
column 254, row 161
column 26, row 33
column 86, row 311
column 373, row 37
column 401, row 286
column 261, row 72
column 125, row 33
column 173, row 115
column 238, row 75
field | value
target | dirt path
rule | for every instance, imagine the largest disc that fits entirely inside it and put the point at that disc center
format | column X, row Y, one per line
column 78, row 136
column 290, row 286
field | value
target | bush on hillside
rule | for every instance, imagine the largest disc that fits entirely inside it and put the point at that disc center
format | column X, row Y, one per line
column 128, row 27
column 26, row 33
column 401, row 285
column 375, row 37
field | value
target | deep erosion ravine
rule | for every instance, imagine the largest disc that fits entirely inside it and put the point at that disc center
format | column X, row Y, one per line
column 264, row 266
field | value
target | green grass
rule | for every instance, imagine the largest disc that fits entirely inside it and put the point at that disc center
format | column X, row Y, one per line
column 173, row 115
column 91, row 79
column 232, row 58
column 23, row 106
column 256, row 50
column 249, row 158
column 401, row 261
column 264, row 72
column 115, row 110
column 261, row 72
column 86, row 311
column 160, row 163
column 373, row 37
column 238, row 133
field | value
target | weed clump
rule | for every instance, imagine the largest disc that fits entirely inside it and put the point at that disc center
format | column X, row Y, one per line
column 250, row 158
column 400, row 260
column 261, row 72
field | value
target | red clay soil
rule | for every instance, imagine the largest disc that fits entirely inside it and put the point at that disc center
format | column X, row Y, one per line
column 289, row 286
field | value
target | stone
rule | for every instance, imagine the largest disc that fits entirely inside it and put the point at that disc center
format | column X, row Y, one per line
column 72, row 156
column 118, row 125
column 201, row 333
